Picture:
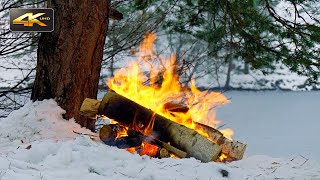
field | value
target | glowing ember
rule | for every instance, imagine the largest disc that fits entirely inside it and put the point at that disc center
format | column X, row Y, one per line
column 131, row 150
column 222, row 157
column 152, row 81
column 148, row 149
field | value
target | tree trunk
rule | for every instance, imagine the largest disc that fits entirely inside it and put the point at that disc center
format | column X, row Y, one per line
column 230, row 67
column 69, row 58
column 246, row 68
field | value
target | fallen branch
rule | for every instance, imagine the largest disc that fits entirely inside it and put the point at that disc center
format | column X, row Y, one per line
column 84, row 134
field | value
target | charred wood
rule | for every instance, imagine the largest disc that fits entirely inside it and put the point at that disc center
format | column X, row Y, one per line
column 108, row 134
column 144, row 120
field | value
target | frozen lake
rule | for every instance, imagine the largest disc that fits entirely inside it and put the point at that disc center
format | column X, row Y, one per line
column 278, row 124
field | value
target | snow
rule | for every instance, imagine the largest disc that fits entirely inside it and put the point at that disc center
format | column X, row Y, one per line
column 56, row 152
column 278, row 124
column 280, row 79
column 286, row 10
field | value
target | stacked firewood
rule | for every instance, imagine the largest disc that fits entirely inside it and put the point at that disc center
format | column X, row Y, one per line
column 113, row 135
column 143, row 125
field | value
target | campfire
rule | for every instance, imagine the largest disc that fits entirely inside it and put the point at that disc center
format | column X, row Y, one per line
column 153, row 114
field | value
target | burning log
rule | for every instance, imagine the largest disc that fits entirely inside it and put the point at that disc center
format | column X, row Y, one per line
column 144, row 120
column 109, row 133
column 173, row 107
column 234, row 149
column 125, row 142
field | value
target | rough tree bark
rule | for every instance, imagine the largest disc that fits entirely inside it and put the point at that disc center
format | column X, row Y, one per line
column 69, row 58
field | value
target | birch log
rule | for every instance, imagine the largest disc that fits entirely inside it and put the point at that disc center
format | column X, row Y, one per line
column 135, row 116
column 234, row 149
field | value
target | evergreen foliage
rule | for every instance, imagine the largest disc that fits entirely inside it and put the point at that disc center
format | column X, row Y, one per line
column 251, row 30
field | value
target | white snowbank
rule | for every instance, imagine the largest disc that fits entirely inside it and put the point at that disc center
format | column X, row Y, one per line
column 58, row 153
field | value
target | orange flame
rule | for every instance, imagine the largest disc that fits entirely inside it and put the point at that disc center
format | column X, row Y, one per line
column 223, row 157
column 131, row 150
column 148, row 149
column 152, row 81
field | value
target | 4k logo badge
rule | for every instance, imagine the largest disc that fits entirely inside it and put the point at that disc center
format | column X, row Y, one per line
column 34, row 20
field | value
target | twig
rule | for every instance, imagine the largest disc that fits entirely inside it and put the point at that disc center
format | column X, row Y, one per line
column 221, row 126
column 84, row 134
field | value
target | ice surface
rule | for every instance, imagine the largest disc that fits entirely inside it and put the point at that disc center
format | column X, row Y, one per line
column 278, row 124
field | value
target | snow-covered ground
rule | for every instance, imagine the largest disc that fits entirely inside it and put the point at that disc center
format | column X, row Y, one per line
column 37, row 143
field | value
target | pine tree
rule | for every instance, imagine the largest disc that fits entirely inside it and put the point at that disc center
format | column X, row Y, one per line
column 250, row 30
